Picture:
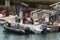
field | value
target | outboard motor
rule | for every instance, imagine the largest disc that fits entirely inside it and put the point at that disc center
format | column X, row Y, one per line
column 44, row 26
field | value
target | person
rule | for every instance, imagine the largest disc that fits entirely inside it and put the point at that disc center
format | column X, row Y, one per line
column 17, row 19
column 3, row 12
column 32, row 21
column 52, row 19
column 25, row 21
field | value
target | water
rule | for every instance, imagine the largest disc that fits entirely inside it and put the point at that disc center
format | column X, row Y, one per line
column 11, row 36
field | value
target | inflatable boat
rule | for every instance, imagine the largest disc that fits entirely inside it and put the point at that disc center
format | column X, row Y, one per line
column 12, row 29
column 25, row 28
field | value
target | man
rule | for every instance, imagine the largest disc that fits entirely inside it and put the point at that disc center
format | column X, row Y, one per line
column 25, row 21
column 17, row 19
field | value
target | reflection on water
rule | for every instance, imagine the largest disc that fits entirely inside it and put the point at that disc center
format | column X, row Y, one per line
column 5, row 35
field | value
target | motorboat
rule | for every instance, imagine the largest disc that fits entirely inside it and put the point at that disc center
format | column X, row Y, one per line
column 2, row 21
column 13, row 29
column 25, row 28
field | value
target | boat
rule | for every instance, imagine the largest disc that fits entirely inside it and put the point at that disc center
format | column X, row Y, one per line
column 12, row 29
column 25, row 28
column 2, row 21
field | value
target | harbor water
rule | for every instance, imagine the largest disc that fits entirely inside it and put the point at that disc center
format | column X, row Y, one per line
column 4, row 35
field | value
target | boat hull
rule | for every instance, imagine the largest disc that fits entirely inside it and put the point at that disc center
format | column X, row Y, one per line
column 18, row 31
